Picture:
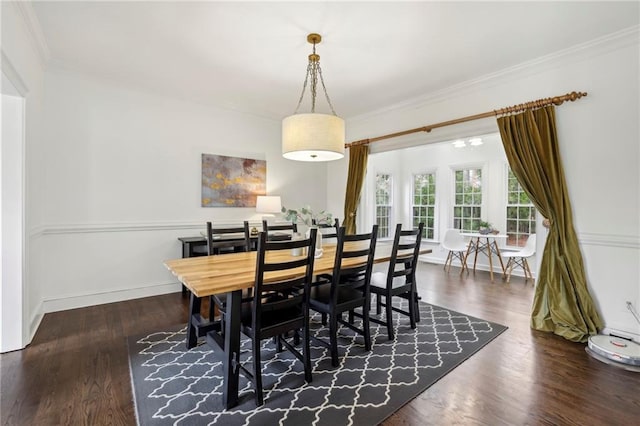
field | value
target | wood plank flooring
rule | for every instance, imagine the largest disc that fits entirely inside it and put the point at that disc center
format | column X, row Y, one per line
column 76, row 369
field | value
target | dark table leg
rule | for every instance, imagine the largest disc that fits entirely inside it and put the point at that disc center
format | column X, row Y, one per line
column 192, row 327
column 232, row 349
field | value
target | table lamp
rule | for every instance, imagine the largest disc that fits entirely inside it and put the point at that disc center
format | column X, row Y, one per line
column 268, row 205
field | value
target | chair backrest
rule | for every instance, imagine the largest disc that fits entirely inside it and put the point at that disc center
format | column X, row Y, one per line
column 353, row 262
column 452, row 238
column 404, row 254
column 288, row 293
column 529, row 248
column 228, row 237
column 328, row 230
column 279, row 235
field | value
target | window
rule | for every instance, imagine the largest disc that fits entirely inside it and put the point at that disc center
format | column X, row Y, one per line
column 424, row 202
column 521, row 214
column 467, row 208
column 383, row 204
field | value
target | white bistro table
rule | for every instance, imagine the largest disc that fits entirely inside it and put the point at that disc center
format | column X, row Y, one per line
column 484, row 243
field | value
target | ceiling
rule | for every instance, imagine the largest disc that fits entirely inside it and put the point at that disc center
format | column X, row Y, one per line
column 252, row 56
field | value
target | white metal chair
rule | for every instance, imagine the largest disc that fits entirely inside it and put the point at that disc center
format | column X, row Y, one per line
column 457, row 246
column 519, row 258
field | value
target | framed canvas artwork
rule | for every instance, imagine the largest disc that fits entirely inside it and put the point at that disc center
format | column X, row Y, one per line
column 232, row 181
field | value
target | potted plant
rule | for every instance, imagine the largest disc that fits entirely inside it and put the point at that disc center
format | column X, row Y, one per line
column 484, row 227
column 307, row 216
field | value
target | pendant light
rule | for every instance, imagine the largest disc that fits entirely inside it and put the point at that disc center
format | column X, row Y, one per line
column 313, row 136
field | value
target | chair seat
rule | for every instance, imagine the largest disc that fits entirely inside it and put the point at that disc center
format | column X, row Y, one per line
column 379, row 281
column 272, row 318
column 512, row 254
column 321, row 295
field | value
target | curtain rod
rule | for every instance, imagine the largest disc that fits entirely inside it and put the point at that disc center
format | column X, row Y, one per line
column 556, row 100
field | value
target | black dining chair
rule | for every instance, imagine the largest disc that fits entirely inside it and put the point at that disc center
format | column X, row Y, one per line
column 400, row 278
column 279, row 232
column 328, row 230
column 347, row 289
column 222, row 240
column 279, row 307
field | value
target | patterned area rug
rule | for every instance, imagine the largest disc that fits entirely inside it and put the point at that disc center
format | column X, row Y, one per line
column 173, row 386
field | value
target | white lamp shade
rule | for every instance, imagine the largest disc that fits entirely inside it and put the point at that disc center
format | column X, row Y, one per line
column 268, row 204
column 313, row 137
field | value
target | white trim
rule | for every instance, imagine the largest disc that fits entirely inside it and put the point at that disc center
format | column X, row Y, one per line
column 92, row 228
column 12, row 74
column 92, row 299
column 35, row 30
column 609, row 240
column 34, row 323
column 593, row 48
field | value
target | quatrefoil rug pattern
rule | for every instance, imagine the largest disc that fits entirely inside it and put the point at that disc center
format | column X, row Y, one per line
column 175, row 386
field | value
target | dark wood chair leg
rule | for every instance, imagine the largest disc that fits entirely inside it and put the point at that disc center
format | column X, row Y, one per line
column 257, row 372
column 194, row 310
column 366, row 329
column 306, row 355
column 378, row 303
column 333, row 339
column 389, row 313
column 412, row 309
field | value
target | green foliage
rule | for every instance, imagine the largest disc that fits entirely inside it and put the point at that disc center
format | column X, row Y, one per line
column 307, row 216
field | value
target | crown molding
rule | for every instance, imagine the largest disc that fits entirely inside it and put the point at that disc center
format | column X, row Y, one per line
column 12, row 75
column 608, row 43
column 35, row 30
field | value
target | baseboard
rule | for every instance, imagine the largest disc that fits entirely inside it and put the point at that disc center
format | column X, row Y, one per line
column 36, row 319
column 81, row 301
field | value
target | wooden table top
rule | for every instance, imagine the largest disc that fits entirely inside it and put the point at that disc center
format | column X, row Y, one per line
column 207, row 275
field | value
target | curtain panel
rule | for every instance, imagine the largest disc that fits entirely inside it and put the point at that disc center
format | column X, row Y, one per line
column 358, row 157
column 562, row 303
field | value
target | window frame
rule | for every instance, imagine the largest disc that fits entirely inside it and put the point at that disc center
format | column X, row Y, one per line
column 479, row 206
column 434, row 207
column 389, row 206
column 531, row 221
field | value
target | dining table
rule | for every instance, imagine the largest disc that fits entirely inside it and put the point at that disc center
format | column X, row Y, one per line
column 231, row 274
column 484, row 243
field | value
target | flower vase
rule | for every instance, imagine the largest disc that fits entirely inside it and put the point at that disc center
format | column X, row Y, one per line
column 318, row 239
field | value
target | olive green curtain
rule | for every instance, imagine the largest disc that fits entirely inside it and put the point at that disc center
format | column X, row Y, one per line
column 358, row 156
column 562, row 303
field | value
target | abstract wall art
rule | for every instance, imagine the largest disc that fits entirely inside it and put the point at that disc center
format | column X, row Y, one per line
column 232, row 181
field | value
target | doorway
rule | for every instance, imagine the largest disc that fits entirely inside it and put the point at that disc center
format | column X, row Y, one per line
column 12, row 218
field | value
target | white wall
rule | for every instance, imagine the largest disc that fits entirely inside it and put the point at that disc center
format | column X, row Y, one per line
column 122, row 183
column 598, row 142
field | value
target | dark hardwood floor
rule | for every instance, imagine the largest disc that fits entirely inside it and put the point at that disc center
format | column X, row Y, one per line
column 76, row 369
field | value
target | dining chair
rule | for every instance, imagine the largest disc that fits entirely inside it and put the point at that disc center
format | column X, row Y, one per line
column 228, row 238
column 348, row 288
column 519, row 258
column 276, row 231
column 456, row 245
column 219, row 241
column 400, row 278
column 328, row 230
column 279, row 306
